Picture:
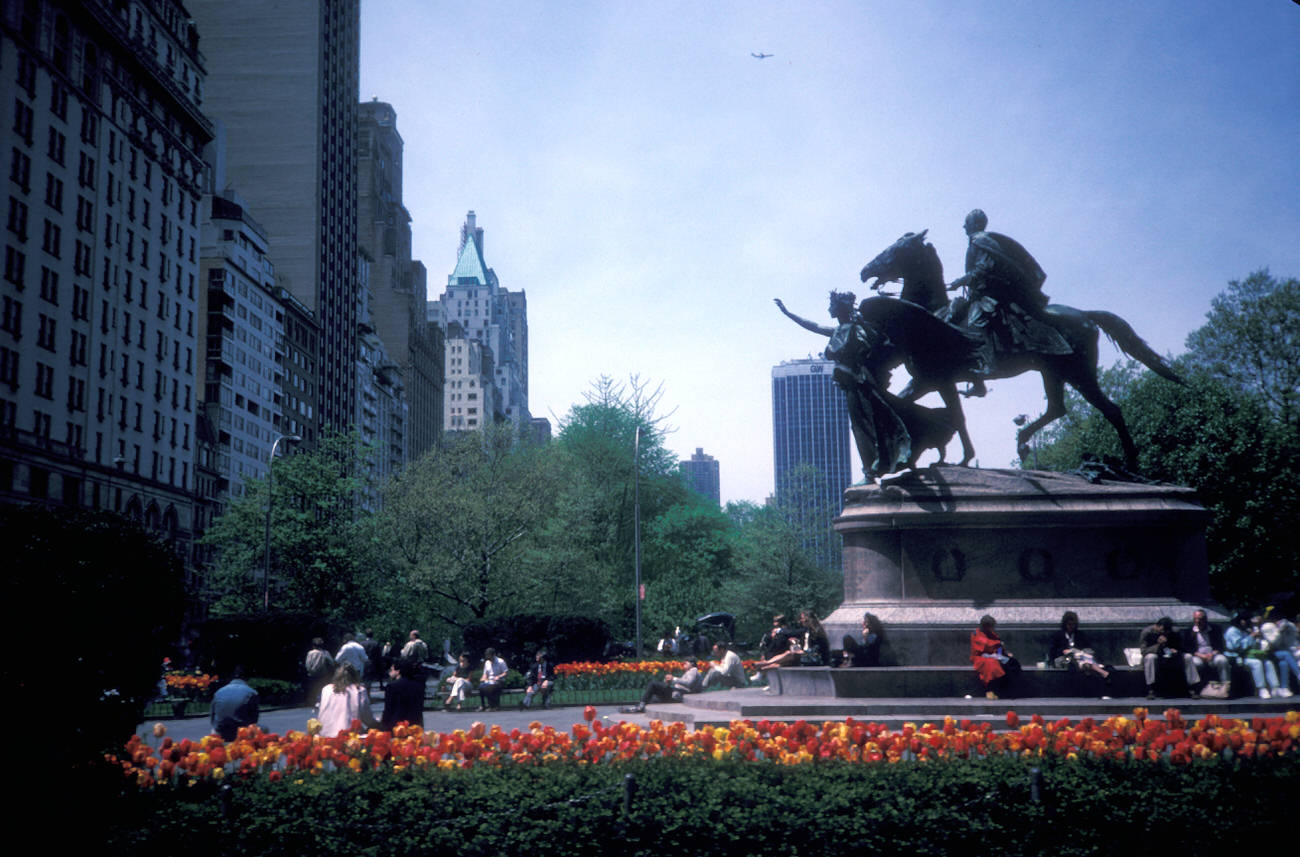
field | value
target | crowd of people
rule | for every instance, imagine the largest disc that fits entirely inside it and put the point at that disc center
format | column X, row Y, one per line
column 1198, row 660
column 1201, row 656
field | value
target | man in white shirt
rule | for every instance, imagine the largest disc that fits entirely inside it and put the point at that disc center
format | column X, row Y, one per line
column 490, row 685
column 727, row 669
column 352, row 652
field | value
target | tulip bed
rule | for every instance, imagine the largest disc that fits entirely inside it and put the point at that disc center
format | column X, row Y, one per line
column 618, row 675
column 1115, row 786
column 190, row 685
column 305, row 754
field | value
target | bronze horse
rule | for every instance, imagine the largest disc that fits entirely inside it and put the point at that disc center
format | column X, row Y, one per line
column 916, row 321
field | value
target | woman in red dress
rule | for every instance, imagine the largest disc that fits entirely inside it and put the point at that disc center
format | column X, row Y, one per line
column 993, row 664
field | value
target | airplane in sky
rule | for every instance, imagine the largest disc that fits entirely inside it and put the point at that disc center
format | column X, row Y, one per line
column 760, row 56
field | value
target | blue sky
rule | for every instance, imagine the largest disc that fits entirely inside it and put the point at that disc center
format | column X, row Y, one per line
column 652, row 186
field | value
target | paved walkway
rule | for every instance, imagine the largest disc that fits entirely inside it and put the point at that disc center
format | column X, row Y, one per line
column 720, row 707
column 282, row 720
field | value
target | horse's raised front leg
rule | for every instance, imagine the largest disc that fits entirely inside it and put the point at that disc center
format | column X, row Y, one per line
column 1054, row 389
column 957, row 416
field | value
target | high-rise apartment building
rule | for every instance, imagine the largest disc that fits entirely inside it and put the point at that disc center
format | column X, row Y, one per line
column 472, row 399
column 242, row 364
column 283, row 79
column 397, row 286
column 383, row 413
column 497, row 318
column 99, row 327
column 702, row 473
column 810, row 426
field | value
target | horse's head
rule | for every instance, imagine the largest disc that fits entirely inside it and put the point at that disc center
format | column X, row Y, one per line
column 896, row 261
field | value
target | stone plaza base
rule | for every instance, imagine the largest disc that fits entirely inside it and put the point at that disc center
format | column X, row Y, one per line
column 931, row 551
column 721, row 707
column 936, row 682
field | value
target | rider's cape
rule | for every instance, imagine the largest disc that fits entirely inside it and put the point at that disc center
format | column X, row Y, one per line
column 1015, row 260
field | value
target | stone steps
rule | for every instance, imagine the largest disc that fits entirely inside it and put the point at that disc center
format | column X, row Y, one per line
column 721, row 707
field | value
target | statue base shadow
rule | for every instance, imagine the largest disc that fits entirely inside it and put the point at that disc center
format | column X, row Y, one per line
column 931, row 551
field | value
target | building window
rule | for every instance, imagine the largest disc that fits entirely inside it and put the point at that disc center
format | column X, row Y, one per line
column 27, row 75
column 9, row 362
column 15, row 267
column 86, row 171
column 76, row 395
column 82, row 264
column 53, row 192
column 77, row 348
column 12, row 319
column 52, row 240
column 40, row 479
column 49, row 286
column 20, row 170
column 17, row 220
column 23, row 121
column 85, row 214
column 44, row 381
column 90, row 128
column 45, row 335
column 59, row 101
column 57, row 149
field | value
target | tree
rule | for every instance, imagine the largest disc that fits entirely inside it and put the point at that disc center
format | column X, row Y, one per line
column 775, row 570
column 1251, row 340
column 315, row 544
column 458, row 525
column 687, row 554
column 101, row 601
column 1223, row 442
column 591, row 538
column 1231, row 432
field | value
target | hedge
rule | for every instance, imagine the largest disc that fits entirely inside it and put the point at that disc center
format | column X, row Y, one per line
column 732, row 807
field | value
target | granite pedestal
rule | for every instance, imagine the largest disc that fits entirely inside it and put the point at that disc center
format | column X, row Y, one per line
column 931, row 551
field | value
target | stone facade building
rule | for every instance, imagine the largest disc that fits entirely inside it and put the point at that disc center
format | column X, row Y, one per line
column 100, row 320
column 397, row 288
column 243, row 362
column 478, row 309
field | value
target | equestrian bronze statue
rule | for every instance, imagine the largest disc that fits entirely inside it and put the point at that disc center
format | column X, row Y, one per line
column 1015, row 329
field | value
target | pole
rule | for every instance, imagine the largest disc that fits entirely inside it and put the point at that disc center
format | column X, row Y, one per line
column 636, row 529
column 270, row 501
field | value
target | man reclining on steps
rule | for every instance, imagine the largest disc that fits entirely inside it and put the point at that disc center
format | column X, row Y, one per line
column 671, row 689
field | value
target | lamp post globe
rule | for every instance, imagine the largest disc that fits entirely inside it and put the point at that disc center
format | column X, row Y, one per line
column 270, row 502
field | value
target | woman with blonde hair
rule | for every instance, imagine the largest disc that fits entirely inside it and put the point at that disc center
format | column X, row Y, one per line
column 343, row 700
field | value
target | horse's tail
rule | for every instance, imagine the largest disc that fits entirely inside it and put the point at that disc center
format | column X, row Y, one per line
column 1119, row 332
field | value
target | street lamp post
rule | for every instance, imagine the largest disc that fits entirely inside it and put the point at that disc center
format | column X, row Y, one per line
column 270, row 501
column 636, row 537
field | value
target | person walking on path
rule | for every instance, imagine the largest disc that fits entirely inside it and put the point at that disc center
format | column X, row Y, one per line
column 320, row 666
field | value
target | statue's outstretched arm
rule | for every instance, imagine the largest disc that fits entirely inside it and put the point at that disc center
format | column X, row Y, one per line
column 803, row 322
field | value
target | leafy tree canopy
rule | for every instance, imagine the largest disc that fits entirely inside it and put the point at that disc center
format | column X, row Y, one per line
column 1226, row 433
column 458, row 525
column 116, row 595
column 1251, row 341
column 315, row 545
